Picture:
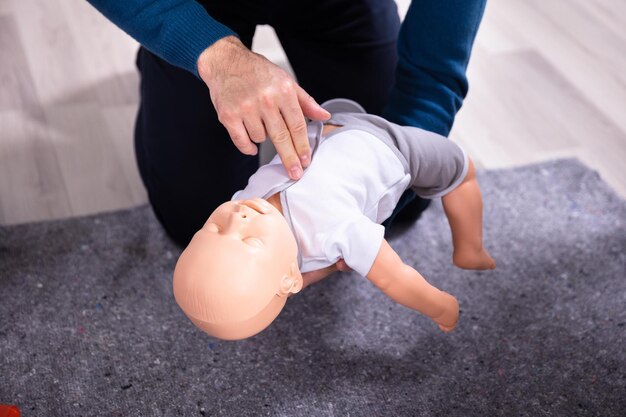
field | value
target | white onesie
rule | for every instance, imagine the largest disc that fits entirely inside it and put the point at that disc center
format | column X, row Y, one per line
column 356, row 177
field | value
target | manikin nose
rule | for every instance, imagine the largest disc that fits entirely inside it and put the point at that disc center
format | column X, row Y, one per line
column 236, row 219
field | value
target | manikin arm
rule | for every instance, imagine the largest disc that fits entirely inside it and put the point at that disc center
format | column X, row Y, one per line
column 408, row 287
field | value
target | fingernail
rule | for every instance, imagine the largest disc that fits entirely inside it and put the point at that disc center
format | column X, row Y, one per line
column 296, row 173
column 305, row 160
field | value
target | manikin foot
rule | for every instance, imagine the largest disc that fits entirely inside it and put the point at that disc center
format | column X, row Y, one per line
column 469, row 258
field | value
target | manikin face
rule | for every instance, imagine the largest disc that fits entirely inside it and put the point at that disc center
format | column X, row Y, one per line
column 239, row 268
column 247, row 227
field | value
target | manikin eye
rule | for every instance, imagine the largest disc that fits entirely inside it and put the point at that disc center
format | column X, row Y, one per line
column 253, row 241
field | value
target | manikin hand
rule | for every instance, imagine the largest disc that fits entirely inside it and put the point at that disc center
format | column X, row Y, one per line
column 447, row 321
column 256, row 99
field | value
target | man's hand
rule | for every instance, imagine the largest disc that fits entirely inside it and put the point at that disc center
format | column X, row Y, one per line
column 256, row 99
column 312, row 277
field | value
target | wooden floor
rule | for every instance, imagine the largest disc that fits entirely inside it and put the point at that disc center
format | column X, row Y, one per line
column 548, row 80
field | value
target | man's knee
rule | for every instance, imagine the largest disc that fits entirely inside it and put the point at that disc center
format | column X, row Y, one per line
column 182, row 216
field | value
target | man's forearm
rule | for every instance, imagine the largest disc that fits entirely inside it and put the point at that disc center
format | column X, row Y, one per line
column 176, row 30
column 434, row 47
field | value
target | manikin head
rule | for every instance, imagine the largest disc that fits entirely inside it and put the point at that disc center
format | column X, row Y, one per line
column 234, row 277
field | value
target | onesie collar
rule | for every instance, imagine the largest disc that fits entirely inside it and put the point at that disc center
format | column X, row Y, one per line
column 342, row 105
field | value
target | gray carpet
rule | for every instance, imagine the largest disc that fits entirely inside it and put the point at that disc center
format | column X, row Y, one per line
column 89, row 326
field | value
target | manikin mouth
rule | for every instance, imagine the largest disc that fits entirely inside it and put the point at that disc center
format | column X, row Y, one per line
column 245, row 203
column 255, row 205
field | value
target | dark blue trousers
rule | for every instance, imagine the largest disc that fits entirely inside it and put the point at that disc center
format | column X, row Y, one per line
column 337, row 48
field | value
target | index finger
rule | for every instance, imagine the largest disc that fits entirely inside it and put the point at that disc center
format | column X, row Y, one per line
column 281, row 138
column 294, row 119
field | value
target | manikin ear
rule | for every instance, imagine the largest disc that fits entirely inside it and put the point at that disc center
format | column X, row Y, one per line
column 291, row 283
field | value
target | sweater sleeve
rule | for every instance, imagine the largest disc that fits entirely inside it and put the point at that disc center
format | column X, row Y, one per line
column 434, row 47
column 176, row 30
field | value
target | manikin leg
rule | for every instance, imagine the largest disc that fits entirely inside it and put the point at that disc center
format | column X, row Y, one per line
column 464, row 209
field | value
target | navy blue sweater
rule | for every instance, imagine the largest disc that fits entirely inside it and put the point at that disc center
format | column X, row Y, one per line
column 434, row 46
